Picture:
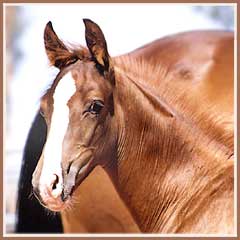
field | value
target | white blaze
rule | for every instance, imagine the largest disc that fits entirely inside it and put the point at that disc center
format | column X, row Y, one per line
column 59, row 123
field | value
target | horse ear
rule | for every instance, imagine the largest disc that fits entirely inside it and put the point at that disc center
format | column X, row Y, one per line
column 58, row 54
column 97, row 44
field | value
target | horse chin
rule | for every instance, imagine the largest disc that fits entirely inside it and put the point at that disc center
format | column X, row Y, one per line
column 52, row 199
column 57, row 205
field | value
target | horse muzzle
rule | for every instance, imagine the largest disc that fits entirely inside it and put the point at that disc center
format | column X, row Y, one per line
column 49, row 194
column 54, row 189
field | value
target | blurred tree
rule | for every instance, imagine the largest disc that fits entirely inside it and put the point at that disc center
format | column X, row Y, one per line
column 13, row 28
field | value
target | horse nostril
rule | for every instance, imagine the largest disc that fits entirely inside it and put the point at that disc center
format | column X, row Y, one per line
column 54, row 186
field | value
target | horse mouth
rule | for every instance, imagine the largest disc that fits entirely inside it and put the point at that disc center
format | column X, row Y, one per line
column 58, row 205
column 50, row 199
column 56, row 196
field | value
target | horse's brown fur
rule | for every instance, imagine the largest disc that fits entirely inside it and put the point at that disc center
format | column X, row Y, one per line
column 174, row 170
column 165, row 134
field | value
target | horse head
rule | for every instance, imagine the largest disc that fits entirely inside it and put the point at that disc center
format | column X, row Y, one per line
column 78, row 109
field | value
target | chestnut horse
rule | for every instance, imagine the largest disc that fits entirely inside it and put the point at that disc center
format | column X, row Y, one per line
column 161, row 127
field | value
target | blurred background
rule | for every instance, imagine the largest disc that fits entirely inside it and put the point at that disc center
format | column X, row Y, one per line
column 27, row 73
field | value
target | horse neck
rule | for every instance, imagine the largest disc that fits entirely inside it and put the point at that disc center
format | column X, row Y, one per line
column 160, row 158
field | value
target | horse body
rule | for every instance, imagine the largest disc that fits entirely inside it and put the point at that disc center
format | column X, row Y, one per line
column 201, row 59
column 149, row 119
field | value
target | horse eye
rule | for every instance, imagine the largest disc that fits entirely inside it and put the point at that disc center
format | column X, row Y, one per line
column 96, row 107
